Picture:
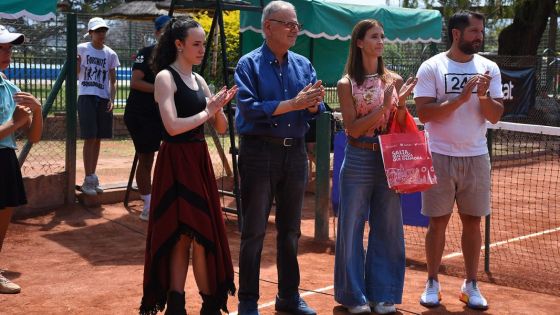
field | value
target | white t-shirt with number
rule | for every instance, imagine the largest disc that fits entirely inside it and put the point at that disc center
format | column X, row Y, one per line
column 463, row 132
column 94, row 70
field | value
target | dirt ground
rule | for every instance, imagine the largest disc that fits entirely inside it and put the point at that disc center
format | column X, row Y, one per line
column 76, row 260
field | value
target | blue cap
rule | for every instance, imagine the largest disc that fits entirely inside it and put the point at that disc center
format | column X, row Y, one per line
column 160, row 21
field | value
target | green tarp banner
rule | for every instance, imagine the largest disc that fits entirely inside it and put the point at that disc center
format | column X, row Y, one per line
column 38, row 10
column 328, row 28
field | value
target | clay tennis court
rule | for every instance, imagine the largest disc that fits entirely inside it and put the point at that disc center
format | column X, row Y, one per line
column 90, row 261
column 525, row 227
column 77, row 260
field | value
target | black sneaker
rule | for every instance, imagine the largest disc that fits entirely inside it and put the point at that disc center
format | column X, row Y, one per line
column 294, row 305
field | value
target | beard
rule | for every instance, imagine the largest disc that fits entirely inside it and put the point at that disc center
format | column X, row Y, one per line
column 469, row 48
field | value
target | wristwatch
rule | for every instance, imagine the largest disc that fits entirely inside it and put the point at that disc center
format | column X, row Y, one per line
column 485, row 96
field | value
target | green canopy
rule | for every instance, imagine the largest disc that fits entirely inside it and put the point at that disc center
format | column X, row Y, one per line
column 328, row 28
column 38, row 10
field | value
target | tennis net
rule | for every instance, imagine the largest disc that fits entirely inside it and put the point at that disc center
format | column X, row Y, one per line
column 523, row 232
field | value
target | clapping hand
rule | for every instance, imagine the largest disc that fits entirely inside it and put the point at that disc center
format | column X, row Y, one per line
column 388, row 95
column 483, row 83
column 467, row 89
column 29, row 101
column 220, row 99
column 406, row 89
column 309, row 97
column 22, row 116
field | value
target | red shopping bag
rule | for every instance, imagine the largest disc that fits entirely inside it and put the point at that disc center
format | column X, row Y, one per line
column 407, row 158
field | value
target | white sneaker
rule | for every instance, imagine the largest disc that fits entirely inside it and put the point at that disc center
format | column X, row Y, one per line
column 385, row 308
column 88, row 187
column 431, row 295
column 96, row 186
column 470, row 295
column 360, row 309
column 8, row 287
column 145, row 215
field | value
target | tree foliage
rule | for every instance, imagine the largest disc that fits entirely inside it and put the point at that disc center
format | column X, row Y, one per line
column 231, row 30
column 493, row 9
column 529, row 23
column 530, row 18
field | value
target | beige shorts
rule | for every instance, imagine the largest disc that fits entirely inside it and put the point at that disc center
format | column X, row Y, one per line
column 462, row 179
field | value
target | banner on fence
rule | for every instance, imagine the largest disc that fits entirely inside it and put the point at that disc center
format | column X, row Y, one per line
column 519, row 91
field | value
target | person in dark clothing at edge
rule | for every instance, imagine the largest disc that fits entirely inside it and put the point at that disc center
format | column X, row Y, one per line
column 142, row 119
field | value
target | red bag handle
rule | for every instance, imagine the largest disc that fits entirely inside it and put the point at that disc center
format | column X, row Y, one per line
column 409, row 124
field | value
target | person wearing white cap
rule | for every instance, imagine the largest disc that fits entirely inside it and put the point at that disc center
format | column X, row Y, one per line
column 96, row 95
column 141, row 116
column 19, row 111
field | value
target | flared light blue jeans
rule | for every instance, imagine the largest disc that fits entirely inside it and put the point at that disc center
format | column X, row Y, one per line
column 375, row 275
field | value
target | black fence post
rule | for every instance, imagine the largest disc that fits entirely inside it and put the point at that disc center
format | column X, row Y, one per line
column 487, row 218
column 71, row 94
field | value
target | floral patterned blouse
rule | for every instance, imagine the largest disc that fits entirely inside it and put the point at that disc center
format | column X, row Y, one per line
column 368, row 97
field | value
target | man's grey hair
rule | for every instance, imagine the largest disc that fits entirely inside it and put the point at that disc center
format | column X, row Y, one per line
column 274, row 7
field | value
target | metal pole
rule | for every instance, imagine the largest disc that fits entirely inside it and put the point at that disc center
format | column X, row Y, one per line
column 322, row 156
column 130, row 179
column 487, row 244
column 219, row 12
column 209, row 43
column 71, row 95
column 171, row 8
column 487, row 218
column 46, row 109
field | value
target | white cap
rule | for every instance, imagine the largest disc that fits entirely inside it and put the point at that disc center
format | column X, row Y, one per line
column 95, row 23
column 10, row 38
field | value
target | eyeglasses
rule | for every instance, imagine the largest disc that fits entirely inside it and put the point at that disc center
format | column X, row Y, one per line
column 100, row 30
column 290, row 25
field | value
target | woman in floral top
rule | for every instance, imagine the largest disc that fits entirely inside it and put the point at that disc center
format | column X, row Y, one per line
column 369, row 100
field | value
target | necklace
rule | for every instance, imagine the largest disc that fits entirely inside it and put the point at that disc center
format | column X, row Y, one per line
column 188, row 79
column 187, row 75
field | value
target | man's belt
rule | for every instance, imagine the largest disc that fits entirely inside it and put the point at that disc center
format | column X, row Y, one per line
column 285, row 142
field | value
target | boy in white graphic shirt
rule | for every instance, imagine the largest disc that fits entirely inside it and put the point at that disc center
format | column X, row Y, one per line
column 96, row 95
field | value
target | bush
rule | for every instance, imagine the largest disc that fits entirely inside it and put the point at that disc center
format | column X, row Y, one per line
column 231, row 30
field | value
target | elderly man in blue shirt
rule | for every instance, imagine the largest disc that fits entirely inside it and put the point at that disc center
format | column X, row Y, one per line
column 278, row 94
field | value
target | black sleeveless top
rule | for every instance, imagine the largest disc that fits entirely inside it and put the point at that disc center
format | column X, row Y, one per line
column 188, row 103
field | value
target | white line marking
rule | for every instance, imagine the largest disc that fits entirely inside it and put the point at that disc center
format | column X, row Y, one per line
column 511, row 240
column 268, row 304
column 452, row 255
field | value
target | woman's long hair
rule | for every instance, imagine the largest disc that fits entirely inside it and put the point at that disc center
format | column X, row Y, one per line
column 355, row 64
column 165, row 51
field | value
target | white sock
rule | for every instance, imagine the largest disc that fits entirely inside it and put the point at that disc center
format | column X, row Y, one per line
column 147, row 198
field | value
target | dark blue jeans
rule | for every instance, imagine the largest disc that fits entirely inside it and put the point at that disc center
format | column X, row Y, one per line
column 270, row 172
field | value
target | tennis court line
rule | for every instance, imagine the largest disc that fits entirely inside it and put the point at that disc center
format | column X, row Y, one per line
column 304, row 294
column 511, row 240
column 452, row 255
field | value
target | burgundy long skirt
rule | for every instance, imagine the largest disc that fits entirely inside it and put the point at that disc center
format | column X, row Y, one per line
column 185, row 200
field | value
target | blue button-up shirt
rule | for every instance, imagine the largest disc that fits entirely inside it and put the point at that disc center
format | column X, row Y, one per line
column 263, row 83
